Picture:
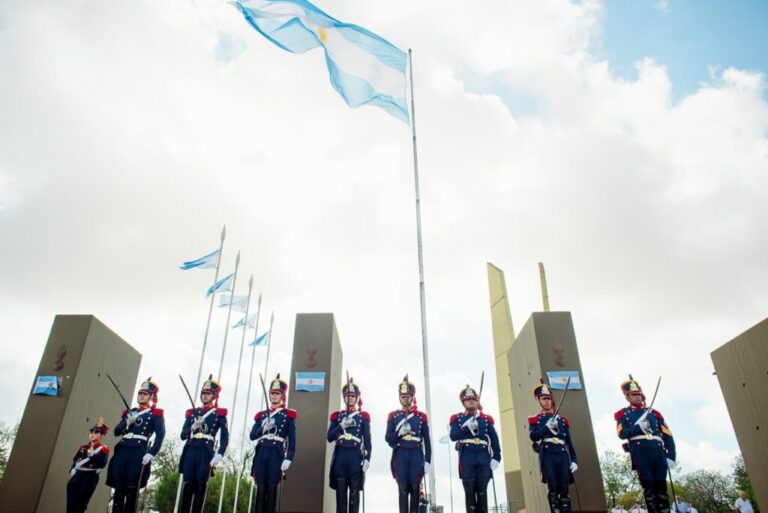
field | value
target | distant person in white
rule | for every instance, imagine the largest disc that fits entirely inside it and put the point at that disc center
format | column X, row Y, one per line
column 619, row 509
column 742, row 504
column 637, row 509
column 691, row 508
column 681, row 506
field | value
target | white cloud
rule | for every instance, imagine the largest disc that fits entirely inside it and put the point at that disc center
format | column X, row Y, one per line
column 131, row 133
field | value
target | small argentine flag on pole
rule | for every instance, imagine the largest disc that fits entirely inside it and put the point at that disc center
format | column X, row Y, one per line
column 260, row 339
column 364, row 68
column 209, row 261
column 223, row 285
column 239, row 303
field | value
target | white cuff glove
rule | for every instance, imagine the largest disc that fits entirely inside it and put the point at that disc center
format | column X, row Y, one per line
column 426, row 467
column 197, row 424
column 130, row 418
column 267, row 424
column 574, row 467
column 216, row 459
column 404, row 430
column 73, row 472
column 671, row 464
column 346, row 422
column 552, row 425
column 494, row 465
column 284, row 466
column 365, row 465
column 146, row 459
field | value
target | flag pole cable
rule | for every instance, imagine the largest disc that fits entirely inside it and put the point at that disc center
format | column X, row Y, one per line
column 210, row 309
column 237, row 382
column 269, row 345
column 422, row 296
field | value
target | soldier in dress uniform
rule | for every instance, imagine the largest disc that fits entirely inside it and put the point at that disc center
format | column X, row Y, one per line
column 408, row 435
column 274, row 431
column 479, row 450
column 350, row 432
column 650, row 445
column 130, row 466
column 86, row 465
column 551, row 437
column 199, row 456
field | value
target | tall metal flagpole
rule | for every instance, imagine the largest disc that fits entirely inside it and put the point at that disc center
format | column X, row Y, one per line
column 422, row 295
column 210, row 309
column 237, row 385
column 205, row 342
column 229, row 315
column 248, row 394
column 269, row 345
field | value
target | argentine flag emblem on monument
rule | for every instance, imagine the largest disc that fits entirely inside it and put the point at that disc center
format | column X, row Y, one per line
column 364, row 68
column 310, row 381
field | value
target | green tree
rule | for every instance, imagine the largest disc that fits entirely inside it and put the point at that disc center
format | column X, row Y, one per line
column 709, row 490
column 618, row 477
column 742, row 482
column 7, row 436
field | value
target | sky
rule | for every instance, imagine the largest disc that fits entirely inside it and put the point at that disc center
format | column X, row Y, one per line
column 585, row 135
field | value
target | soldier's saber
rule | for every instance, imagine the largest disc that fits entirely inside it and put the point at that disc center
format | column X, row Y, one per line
column 208, row 482
column 480, row 393
column 653, row 400
column 672, row 485
column 187, row 391
column 495, row 500
column 122, row 397
column 562, row 399
column 266, row 396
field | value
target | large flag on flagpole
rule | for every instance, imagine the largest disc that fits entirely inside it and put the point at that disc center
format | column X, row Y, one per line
column 365, row 69
column 223, row 285
column 209, row 261
column 251, row 321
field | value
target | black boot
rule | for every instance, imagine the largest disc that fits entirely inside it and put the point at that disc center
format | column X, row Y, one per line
column 271, row 498
column 554, row 507
column 402, row 497
column 199, row 491
column 470, row 497
column 414, row 501
column 650, row 499
column 118, row 501
column 565, row 504
column 482, row 497
column 355, row 485
column 187, row 491
column 341, row 496
column 261, row 498
column 131, row 497
column 662, row 496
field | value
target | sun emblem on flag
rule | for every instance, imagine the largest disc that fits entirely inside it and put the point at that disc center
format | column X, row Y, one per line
column 322, row 34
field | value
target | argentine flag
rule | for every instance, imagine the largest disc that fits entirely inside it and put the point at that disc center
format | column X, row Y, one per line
column 365, row 69
column 251, row 321
column 223, row 285
column 209, row 261
column 260, row 339
column 239, row 303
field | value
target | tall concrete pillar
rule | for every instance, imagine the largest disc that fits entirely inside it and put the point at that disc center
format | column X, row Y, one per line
column 316, row 349
column 503, row 337
column 742, row 370
column 79, row 353
column 547, row 343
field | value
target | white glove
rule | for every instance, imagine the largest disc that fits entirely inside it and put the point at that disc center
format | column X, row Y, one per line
column 147, row 459
column 365, row 465
column 197, row 424
column 552, row 425
column 426, row 467
column 404, row 430
column 644, row 425
column 216, row 460
column 346, row 422
column 73, row 472
column 473, row 427
column 671, row 464
column 267, row 424
column 130, row 418
column 285, row 465
column 574, row 467
column 494, row 465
